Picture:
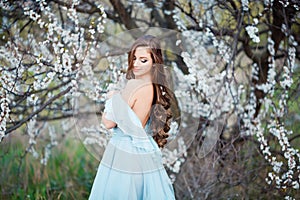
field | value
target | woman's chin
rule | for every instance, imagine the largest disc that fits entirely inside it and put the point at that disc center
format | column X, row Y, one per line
column 136, row 74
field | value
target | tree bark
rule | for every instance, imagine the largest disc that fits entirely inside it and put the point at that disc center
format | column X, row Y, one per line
column 125, row 17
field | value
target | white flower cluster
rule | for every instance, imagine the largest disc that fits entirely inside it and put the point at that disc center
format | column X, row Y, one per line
column 173, row 132
column 285, row 169
column 199, row 91
column 223, row 49
column 291, row 155
column 101, row 20
column 173, row 159
column 177, row 19
column 204, row 91
column 268, row 87
column 49, row 146
column 245, row 5
column 4, row 112
column 287, row 80
column 76, row 49
column 10, row 75
column 289, row 198
column 47, row 153
column 42, row 63
column 116, row 77
column 33, row 101
column 292, row 53
column 4, row 4
column 53, row 135
column 268, row 3
column 286, row 178
column 33, row 133
column 285, row 3
column 87, row 81
column 255, row 71
column 252, row 31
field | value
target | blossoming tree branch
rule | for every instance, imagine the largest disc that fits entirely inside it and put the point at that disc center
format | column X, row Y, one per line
column 46, row 47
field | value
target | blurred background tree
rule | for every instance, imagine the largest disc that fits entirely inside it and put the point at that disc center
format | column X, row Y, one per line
column 236, row 60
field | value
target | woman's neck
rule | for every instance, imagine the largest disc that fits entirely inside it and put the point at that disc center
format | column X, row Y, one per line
column 144, row 78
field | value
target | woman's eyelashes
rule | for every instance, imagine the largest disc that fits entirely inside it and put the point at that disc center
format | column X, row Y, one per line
column 142, row 60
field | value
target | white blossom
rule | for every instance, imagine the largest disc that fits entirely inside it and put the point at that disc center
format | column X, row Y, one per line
column 252, row 31
column 268, row 3
column 245, row 5
column 287, row 80
column 4, row 112
column 173, row 159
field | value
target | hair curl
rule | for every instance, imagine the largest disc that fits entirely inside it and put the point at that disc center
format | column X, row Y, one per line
column 160, row 114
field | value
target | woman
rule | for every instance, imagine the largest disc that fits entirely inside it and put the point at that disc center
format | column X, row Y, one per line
column 131, row 167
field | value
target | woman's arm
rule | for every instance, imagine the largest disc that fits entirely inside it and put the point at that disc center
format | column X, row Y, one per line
column 108, row 123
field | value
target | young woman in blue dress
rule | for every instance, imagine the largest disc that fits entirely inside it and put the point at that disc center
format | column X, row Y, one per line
column 140, row 116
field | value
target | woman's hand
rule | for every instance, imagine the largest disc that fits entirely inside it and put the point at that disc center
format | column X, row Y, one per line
column 108, row 123
column 110, row 94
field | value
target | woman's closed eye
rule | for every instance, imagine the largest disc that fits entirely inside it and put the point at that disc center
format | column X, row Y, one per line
column 144, row 60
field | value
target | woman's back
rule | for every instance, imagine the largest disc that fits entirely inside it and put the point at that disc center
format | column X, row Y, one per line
column 139, row 96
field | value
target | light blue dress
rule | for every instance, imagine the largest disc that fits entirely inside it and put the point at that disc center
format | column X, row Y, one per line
column 131, row 167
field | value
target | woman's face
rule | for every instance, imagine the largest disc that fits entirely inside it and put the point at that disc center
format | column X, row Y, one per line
column 142, row 62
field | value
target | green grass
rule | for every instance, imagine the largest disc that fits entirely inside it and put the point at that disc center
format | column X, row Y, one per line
column 69, row 173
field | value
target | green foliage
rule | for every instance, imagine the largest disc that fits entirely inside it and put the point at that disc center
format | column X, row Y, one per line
column 69, row 173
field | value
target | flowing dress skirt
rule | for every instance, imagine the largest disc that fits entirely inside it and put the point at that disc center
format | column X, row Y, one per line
column 131, row 167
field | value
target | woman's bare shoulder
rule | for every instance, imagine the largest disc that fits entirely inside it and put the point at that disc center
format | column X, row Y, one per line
column 131, row 86
column 135, row 84
column 135, row 89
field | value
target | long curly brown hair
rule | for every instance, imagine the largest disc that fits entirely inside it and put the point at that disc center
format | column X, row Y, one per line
column 160, row 114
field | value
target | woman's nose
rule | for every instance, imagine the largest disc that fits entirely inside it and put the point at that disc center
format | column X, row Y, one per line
column 135, row 62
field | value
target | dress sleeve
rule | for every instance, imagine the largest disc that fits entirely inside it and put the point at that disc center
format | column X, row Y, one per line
column 108, row 110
